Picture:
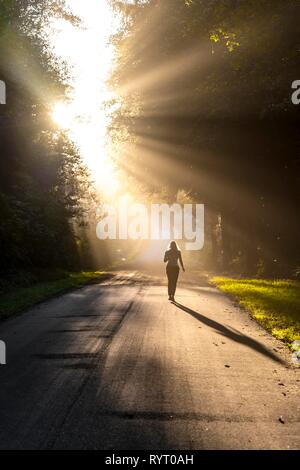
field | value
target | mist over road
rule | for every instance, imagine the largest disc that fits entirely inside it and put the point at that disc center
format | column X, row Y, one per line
column 115, row 365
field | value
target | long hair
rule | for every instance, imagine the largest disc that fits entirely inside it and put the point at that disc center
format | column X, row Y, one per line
column 173, row 246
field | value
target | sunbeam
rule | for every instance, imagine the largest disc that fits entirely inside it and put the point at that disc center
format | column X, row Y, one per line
column 84, row 114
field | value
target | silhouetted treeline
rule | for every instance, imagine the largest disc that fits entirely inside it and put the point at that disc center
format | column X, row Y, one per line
column 44, row 186
column 205, row 90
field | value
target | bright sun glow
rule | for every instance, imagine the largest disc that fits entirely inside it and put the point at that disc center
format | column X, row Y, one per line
column 62, row 116
column 88, row 54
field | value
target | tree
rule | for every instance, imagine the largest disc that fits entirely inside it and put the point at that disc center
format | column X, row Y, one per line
column 44, row 187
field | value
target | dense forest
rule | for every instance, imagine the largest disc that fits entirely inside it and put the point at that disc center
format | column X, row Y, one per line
column 203, row 108
column 205, row 89
column 44, row 186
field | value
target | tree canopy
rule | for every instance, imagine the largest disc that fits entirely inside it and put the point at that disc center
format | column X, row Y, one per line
column 205, row 105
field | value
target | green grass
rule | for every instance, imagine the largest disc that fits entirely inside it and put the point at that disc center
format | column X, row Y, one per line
column 274, row 304
column 22, row 298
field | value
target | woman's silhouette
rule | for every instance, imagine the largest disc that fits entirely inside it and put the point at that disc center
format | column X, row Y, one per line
column 172, row 256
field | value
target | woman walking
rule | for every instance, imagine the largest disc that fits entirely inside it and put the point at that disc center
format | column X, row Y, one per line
column 172, row 256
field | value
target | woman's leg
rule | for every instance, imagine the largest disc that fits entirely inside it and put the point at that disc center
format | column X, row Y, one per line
column 172, row 273
column 173, row 276
column 169, row 275
column 175, row 279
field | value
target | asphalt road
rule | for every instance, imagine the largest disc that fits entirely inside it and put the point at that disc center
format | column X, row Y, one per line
column 116, row 366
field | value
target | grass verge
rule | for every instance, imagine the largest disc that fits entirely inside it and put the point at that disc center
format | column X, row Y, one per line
column 274, row 304
column 24, row 297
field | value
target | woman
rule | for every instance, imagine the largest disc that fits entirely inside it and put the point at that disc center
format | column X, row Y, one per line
column 172, row 256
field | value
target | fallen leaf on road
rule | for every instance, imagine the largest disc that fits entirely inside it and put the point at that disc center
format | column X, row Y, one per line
column 281, row 420
column 226, row 365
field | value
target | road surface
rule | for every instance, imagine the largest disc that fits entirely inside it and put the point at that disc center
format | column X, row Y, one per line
column 114, row 365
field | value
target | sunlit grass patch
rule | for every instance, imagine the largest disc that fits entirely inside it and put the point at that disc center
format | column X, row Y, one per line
column 274, row 304
column 21, row 298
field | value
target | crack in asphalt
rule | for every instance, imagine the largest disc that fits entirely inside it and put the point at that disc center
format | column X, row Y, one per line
column 102, row 348
column 175, row 416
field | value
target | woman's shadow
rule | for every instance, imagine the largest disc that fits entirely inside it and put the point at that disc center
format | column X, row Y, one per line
column 231, row 333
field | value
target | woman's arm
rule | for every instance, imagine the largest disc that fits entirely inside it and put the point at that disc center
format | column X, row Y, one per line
column 181, row 262
column 166, row 257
